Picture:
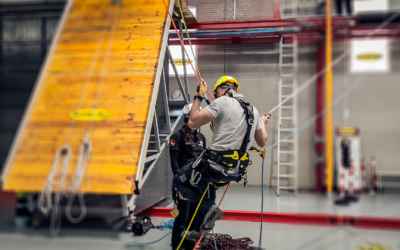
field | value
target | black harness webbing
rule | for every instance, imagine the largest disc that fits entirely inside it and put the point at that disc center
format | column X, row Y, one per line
column 231, row 158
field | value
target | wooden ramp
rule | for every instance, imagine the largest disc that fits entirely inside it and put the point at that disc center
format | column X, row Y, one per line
column 100, row 78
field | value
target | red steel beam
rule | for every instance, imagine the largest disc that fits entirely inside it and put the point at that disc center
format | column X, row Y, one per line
column 252, row 24
column 295, row 218
column 229, row 41
column 267, row 23
column 319, row 125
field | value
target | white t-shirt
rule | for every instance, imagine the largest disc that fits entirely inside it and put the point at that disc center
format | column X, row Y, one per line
column 230, row 124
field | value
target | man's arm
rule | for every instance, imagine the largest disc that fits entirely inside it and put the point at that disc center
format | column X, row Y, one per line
column 261, row 135
column 199, row 117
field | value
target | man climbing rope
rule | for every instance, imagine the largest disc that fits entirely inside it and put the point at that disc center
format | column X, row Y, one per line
column 235, row 123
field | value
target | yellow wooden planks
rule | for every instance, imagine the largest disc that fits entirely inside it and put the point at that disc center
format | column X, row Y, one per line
column 125, row 93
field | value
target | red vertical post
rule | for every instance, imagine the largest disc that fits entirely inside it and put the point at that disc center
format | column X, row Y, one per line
column 277, row 9
column 319, row 126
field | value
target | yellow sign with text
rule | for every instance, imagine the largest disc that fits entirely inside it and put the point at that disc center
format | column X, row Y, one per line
column 86, row 115
column 179, row 62
column 369, row 57
column 348, row 131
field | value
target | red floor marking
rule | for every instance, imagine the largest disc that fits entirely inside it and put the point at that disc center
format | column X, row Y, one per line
column 295, row 218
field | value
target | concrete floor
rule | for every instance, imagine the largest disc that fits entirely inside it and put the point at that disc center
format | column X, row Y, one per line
column 95, row 235
column 249, row 199
column 275, row 236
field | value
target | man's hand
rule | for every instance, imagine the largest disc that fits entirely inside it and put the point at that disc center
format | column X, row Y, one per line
column 265, row 119
column 202, row 89
column 203, row 82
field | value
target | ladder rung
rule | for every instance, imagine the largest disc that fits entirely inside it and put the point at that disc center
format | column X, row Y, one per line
column 287, row 118
column 152, row 158
column 287, row 86
column 151, row 151
column 285, row 96
column 287, row 65
column 287, row 187
column 287, row 76
column 286, row 107
column 288, row 141
column 287, row 175
column 287, row 45
column 287, row 163
column 287, row 129
column 287, row 152
column 287, row 55
column 281, row 177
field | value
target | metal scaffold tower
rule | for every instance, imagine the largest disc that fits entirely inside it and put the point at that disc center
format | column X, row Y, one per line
column 287, row 151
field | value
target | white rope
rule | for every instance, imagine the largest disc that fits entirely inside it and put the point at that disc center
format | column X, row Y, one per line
column 335, row 62
column 45, row 198
column 85, row 151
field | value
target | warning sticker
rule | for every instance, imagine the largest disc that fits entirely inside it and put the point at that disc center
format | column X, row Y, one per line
column 90, row 114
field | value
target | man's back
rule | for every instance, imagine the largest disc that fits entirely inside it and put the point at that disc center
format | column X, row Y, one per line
column 230, row 123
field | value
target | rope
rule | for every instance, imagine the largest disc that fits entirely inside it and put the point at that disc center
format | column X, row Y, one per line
column 44, row 201
column 86, row 146
column 169, row 224
column 187, row 33
column 262, row 203
column 334, row 103
column 215, row 243
column 226, row 190
column 183, row 46
column 195, row 212
column 226, row 242
column 335, row 62
column 85, row 151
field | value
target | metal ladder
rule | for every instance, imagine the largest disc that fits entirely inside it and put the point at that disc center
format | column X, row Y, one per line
column 289, row 9
column 287, row 151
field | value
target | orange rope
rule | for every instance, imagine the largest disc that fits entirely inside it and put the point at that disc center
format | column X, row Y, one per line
column 226, row 190
column 183, row 46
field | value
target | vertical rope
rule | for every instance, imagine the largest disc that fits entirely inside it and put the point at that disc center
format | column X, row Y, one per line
column 187, row 33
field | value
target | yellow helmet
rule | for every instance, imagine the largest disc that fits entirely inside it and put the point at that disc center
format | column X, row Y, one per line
column 224, row 79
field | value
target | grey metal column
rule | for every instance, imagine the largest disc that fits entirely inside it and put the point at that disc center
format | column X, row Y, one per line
column 185, row 97
column 184, row 60
column 156, row 132
column 166, row 99
column 166, row 73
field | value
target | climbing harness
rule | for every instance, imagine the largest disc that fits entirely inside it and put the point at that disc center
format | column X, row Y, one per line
column 231, row 162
